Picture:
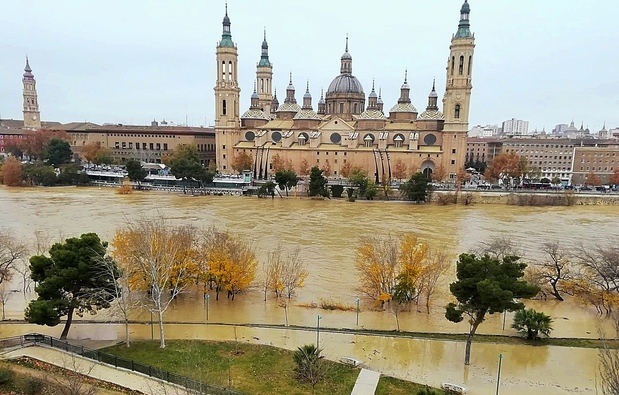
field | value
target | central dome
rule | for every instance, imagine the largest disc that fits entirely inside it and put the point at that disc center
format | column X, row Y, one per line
column 345, row 83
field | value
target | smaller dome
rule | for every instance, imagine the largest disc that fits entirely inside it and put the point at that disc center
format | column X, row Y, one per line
column 403, row 107
column 307, row 114
column 346, row 55
column 254, row 114
column 289, row 107
column 430, row 115
column 372, row 114
column 255, row 95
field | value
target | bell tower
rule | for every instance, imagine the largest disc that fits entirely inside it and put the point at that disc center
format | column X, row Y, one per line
column 264, row 76
column 459, row 75
column 227, row 92
column 32, row 117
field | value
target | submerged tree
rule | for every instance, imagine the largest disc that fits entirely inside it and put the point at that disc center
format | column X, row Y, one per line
column 159, row 259
column 486, row 285
column 532, row 323
column 68, row 281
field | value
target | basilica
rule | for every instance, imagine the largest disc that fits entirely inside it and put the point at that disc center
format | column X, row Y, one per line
column 347, row 129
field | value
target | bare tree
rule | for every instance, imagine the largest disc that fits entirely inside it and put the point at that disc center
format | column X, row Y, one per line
column 74, row 385
column 294, row 272
column 555, row 271
column 498, row 247
column 273, row 273
column 5, row 294
column 11, row 251
column 157, row 258
column 124, row 301
column 435, row 267
column 598, row 280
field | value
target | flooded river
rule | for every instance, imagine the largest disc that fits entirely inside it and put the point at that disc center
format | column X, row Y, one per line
column 328, row 233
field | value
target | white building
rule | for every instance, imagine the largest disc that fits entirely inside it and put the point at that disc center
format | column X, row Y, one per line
column 484, row 131
column 514, row 127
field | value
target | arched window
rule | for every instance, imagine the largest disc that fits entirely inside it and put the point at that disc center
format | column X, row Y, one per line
column 230, row 70
column 469, row 68
column 453, row 64
column 223, row 108
column 355, row 105
column 341, row 108
column 461, row 67
column 223, row 70
column 261, row 85
column 457, row 112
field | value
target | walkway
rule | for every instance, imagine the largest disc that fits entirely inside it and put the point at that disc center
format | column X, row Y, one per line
column 366, row 382
column 121, row 377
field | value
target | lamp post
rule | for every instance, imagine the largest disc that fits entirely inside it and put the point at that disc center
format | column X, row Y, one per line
column 318, row 332
column 208, row 297
column 498, row 379
column 504, row 315
column 357, row 311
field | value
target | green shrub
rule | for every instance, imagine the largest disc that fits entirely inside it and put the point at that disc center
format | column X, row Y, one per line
column 32, row 386
column 427, row 391
column 6, row 376
column 531, row 323
column 336, row 191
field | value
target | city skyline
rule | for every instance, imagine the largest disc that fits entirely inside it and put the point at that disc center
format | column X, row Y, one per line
column 161, row 65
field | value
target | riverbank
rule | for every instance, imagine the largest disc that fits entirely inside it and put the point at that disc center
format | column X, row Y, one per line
column 612, row 343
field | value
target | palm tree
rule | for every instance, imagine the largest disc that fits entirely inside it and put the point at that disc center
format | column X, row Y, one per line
column 309, row 367
column 532, row 323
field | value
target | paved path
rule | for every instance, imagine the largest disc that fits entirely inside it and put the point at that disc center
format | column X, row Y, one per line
column 122, row 377
column 366, row 382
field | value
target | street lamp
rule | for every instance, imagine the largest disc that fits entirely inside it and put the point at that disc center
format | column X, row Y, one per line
column 504, row 315
column 318, row 331
column 498, row 379
column 357, row 311
column 208, row 297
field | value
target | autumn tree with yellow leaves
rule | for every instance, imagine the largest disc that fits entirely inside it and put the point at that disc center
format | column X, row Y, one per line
column 227, row 263
column 400, row 270
column 158, row 259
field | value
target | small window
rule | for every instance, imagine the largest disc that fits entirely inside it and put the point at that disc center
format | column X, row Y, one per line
column 224, row 110
column 457, row 112
column 341, row 108
column 223, row 146
column 453, row 162
column 453, row 151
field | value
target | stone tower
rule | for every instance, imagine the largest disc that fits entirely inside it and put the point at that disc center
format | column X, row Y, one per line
column 264, row 77
column 32, row 117
column 458, row 95
column 227, row 92
column 459, row 75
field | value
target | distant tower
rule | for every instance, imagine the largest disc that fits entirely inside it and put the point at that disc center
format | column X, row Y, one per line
column 321, row 104
column 32, row 117
column 459, row 75
column 227, row 92
column 264, row 77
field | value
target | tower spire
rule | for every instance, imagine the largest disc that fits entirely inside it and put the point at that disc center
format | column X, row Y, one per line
column 346, row 67
column 464, row 30
column 226, row 35
column 32, row 118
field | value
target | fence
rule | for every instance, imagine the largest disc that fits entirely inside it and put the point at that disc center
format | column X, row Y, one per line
column 189, row 384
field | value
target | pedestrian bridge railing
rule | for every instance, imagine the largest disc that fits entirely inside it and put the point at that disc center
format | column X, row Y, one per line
column 191, row 385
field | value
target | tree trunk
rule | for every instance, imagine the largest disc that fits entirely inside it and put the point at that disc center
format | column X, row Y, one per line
column 127, row 332
column 555, row 292
column 65, row 331
column 161, row 337
column 397, row 321
column 469, row 340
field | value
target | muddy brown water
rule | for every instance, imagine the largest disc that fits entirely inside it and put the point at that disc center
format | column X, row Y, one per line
column 328, row 232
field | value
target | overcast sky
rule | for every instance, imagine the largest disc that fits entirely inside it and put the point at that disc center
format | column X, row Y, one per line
column 128, row 62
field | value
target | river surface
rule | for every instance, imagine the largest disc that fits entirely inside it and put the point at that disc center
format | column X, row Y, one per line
column 327, row 233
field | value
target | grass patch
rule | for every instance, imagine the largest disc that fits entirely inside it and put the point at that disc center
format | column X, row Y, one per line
column 248, row 368
column 392, row 386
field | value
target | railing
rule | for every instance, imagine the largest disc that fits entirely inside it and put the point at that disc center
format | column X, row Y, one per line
column 193, row 386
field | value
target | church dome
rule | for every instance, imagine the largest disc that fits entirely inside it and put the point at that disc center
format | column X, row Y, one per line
column 345, row 83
